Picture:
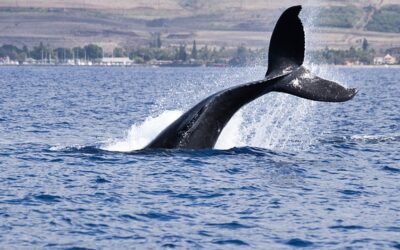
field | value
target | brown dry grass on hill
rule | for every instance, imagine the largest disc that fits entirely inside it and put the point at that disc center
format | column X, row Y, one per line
column 112, row 23
column 182, row 5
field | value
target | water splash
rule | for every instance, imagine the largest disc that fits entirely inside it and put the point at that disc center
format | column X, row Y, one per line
column 139, row 135
column 275, row 121
column 232, row 136
column 279, row 121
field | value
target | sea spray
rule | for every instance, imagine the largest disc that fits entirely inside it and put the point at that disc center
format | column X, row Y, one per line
column 139, row 135
column 278, row 122
column 232, row 136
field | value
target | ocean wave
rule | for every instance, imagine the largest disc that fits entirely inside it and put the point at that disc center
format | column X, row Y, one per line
column 360, row 138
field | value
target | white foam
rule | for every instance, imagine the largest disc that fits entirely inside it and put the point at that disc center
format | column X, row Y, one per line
column 58, row 147
column 232, row 136
column 139, row 135
column 373, row 138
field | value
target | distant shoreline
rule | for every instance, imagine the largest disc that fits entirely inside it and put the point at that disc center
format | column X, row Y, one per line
column 186, row 66
column 368, row 66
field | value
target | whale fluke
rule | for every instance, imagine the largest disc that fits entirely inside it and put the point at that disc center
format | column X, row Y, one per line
column 287, row 45
column 201, row 126
column 285, row 58
column 302, row 83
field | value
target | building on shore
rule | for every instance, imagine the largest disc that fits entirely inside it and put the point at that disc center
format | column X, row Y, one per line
column 29, row 61
column 385, row 60
column 116, row 61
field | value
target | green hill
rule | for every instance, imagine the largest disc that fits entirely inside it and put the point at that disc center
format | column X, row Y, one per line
column 387, row 19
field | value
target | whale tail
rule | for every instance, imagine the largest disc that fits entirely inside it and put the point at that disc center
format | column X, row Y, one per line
column 200, row 126
column 285, row 60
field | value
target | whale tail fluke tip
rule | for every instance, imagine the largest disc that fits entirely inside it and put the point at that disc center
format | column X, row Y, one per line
column 303, row 83
column 287, row 45
column 285, row 60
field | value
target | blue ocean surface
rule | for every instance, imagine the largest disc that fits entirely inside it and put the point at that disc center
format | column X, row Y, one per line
column 286, row 173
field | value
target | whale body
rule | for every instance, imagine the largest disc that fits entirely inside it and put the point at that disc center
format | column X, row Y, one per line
column 200, row 127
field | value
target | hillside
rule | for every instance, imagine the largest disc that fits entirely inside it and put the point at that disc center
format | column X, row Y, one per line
column 128, row 23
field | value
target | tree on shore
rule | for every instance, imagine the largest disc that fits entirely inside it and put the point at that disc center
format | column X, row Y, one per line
column 365, row 44
column 240, row 58
column 119, row 52
column 93, row 51
column 63, row 53
column 341, row 57
column 156, row 40
column 40, row 52
column 204, row 53
column 194, row 50
column 13, row 52
column 78, row 53
column 182, row 54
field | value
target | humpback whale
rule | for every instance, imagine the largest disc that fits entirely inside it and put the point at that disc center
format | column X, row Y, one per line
column 200, row 126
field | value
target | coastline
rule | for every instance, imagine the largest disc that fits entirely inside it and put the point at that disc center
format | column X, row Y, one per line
column 395, row 66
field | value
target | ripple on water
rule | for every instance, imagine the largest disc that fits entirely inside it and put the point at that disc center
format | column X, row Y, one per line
column 128, row 217
column 391, row 169
column 47, row 198
column 393, row 229
column 234, row 242
column 78, row 248
column 232, row 225
column 350, row 193
column 195, row 196
column 169, row 245
column 347, row 227
column 158, row 216
column 299, row 243
column 101, row 180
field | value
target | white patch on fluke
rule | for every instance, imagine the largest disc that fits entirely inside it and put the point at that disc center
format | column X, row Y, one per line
column 307, row 75
column 296, row 83
column 287, row 70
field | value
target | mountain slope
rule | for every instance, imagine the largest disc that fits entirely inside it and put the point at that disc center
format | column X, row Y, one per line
column 215, row 22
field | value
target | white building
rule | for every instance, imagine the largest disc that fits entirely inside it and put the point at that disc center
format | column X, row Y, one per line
column 378, row 60
column 110, row 61
column 388, row 59
column 30, row 61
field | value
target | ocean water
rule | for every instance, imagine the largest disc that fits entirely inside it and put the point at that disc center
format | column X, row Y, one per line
column 286, row 173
